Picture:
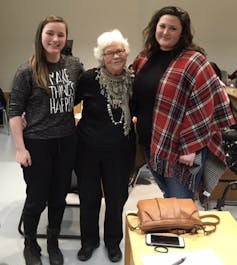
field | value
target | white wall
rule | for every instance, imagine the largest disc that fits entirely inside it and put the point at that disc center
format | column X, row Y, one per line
column 214, row 22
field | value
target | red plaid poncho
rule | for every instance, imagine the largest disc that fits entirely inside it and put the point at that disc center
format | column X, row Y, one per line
column 189, row 112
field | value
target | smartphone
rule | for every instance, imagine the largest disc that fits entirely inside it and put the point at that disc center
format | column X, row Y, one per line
column 165, row 240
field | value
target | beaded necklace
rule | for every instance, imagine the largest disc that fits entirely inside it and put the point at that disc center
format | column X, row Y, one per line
column 117, row 90
column 112, row 116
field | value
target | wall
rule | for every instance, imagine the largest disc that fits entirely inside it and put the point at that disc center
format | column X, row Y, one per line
column 214, row 23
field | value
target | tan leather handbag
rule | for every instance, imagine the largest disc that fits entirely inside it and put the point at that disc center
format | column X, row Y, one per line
column 175, row 215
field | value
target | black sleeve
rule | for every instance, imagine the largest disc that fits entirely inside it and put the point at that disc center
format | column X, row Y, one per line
column 85, row 84
column 20, row 92
column 80, row 89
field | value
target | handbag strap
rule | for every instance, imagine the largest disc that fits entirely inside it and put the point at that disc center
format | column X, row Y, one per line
column 131, row 227
column 211, row 224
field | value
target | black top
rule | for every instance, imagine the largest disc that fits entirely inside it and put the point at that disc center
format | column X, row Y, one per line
column 95, row 127
column 145, row 87
column 48, row 115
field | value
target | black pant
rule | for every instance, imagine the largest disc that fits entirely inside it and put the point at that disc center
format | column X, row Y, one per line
column 48, row 181
column 111, row 169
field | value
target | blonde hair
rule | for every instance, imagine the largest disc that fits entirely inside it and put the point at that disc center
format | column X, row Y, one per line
column 106, row 39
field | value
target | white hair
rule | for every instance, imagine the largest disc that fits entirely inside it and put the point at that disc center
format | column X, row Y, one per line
column 106, row 39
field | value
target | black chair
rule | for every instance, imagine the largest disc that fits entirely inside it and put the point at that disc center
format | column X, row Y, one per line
column 3, row 112
column 230, row 147
column 5, row 122
column 73, row 189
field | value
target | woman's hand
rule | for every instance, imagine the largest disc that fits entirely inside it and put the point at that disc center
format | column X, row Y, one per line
column 23, row 157
column 187, row 159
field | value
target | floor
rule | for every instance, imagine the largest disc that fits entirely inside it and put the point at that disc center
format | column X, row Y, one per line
column 12, row 195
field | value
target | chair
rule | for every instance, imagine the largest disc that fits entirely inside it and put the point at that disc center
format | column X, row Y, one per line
column 73, row 189
column 224, row 76
column 221, row 202
column 3, row 111
column 5, row 119
column 230, row 147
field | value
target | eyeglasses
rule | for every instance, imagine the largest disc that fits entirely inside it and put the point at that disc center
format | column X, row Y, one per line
column 118, row 52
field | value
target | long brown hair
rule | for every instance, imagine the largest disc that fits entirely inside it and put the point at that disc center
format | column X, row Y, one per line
column 186, row 39
column 38, row 61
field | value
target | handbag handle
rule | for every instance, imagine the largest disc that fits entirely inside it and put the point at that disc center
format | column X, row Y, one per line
column 213, row 223
column 131, row 227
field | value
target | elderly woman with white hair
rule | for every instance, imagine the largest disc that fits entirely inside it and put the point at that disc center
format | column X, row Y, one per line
column 105, row 151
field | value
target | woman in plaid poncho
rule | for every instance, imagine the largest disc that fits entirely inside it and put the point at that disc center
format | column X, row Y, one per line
column 180, row 106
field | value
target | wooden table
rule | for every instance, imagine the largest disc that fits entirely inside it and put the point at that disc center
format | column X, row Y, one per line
column 77, row 112
column 223, row 241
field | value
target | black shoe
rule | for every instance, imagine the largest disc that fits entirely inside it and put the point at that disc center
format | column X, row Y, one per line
column 55, row 254
column 32, row 254
column 86, row 252
column 114, row 254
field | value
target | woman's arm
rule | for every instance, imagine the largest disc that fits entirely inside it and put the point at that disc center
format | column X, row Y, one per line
column 22, row 154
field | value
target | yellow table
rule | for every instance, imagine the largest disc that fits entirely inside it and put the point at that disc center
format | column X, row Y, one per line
column 223, row 241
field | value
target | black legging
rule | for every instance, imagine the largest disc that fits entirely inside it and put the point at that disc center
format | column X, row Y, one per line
column 48, row 180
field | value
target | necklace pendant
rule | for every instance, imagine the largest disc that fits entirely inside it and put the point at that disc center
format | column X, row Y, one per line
column 112, row 117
